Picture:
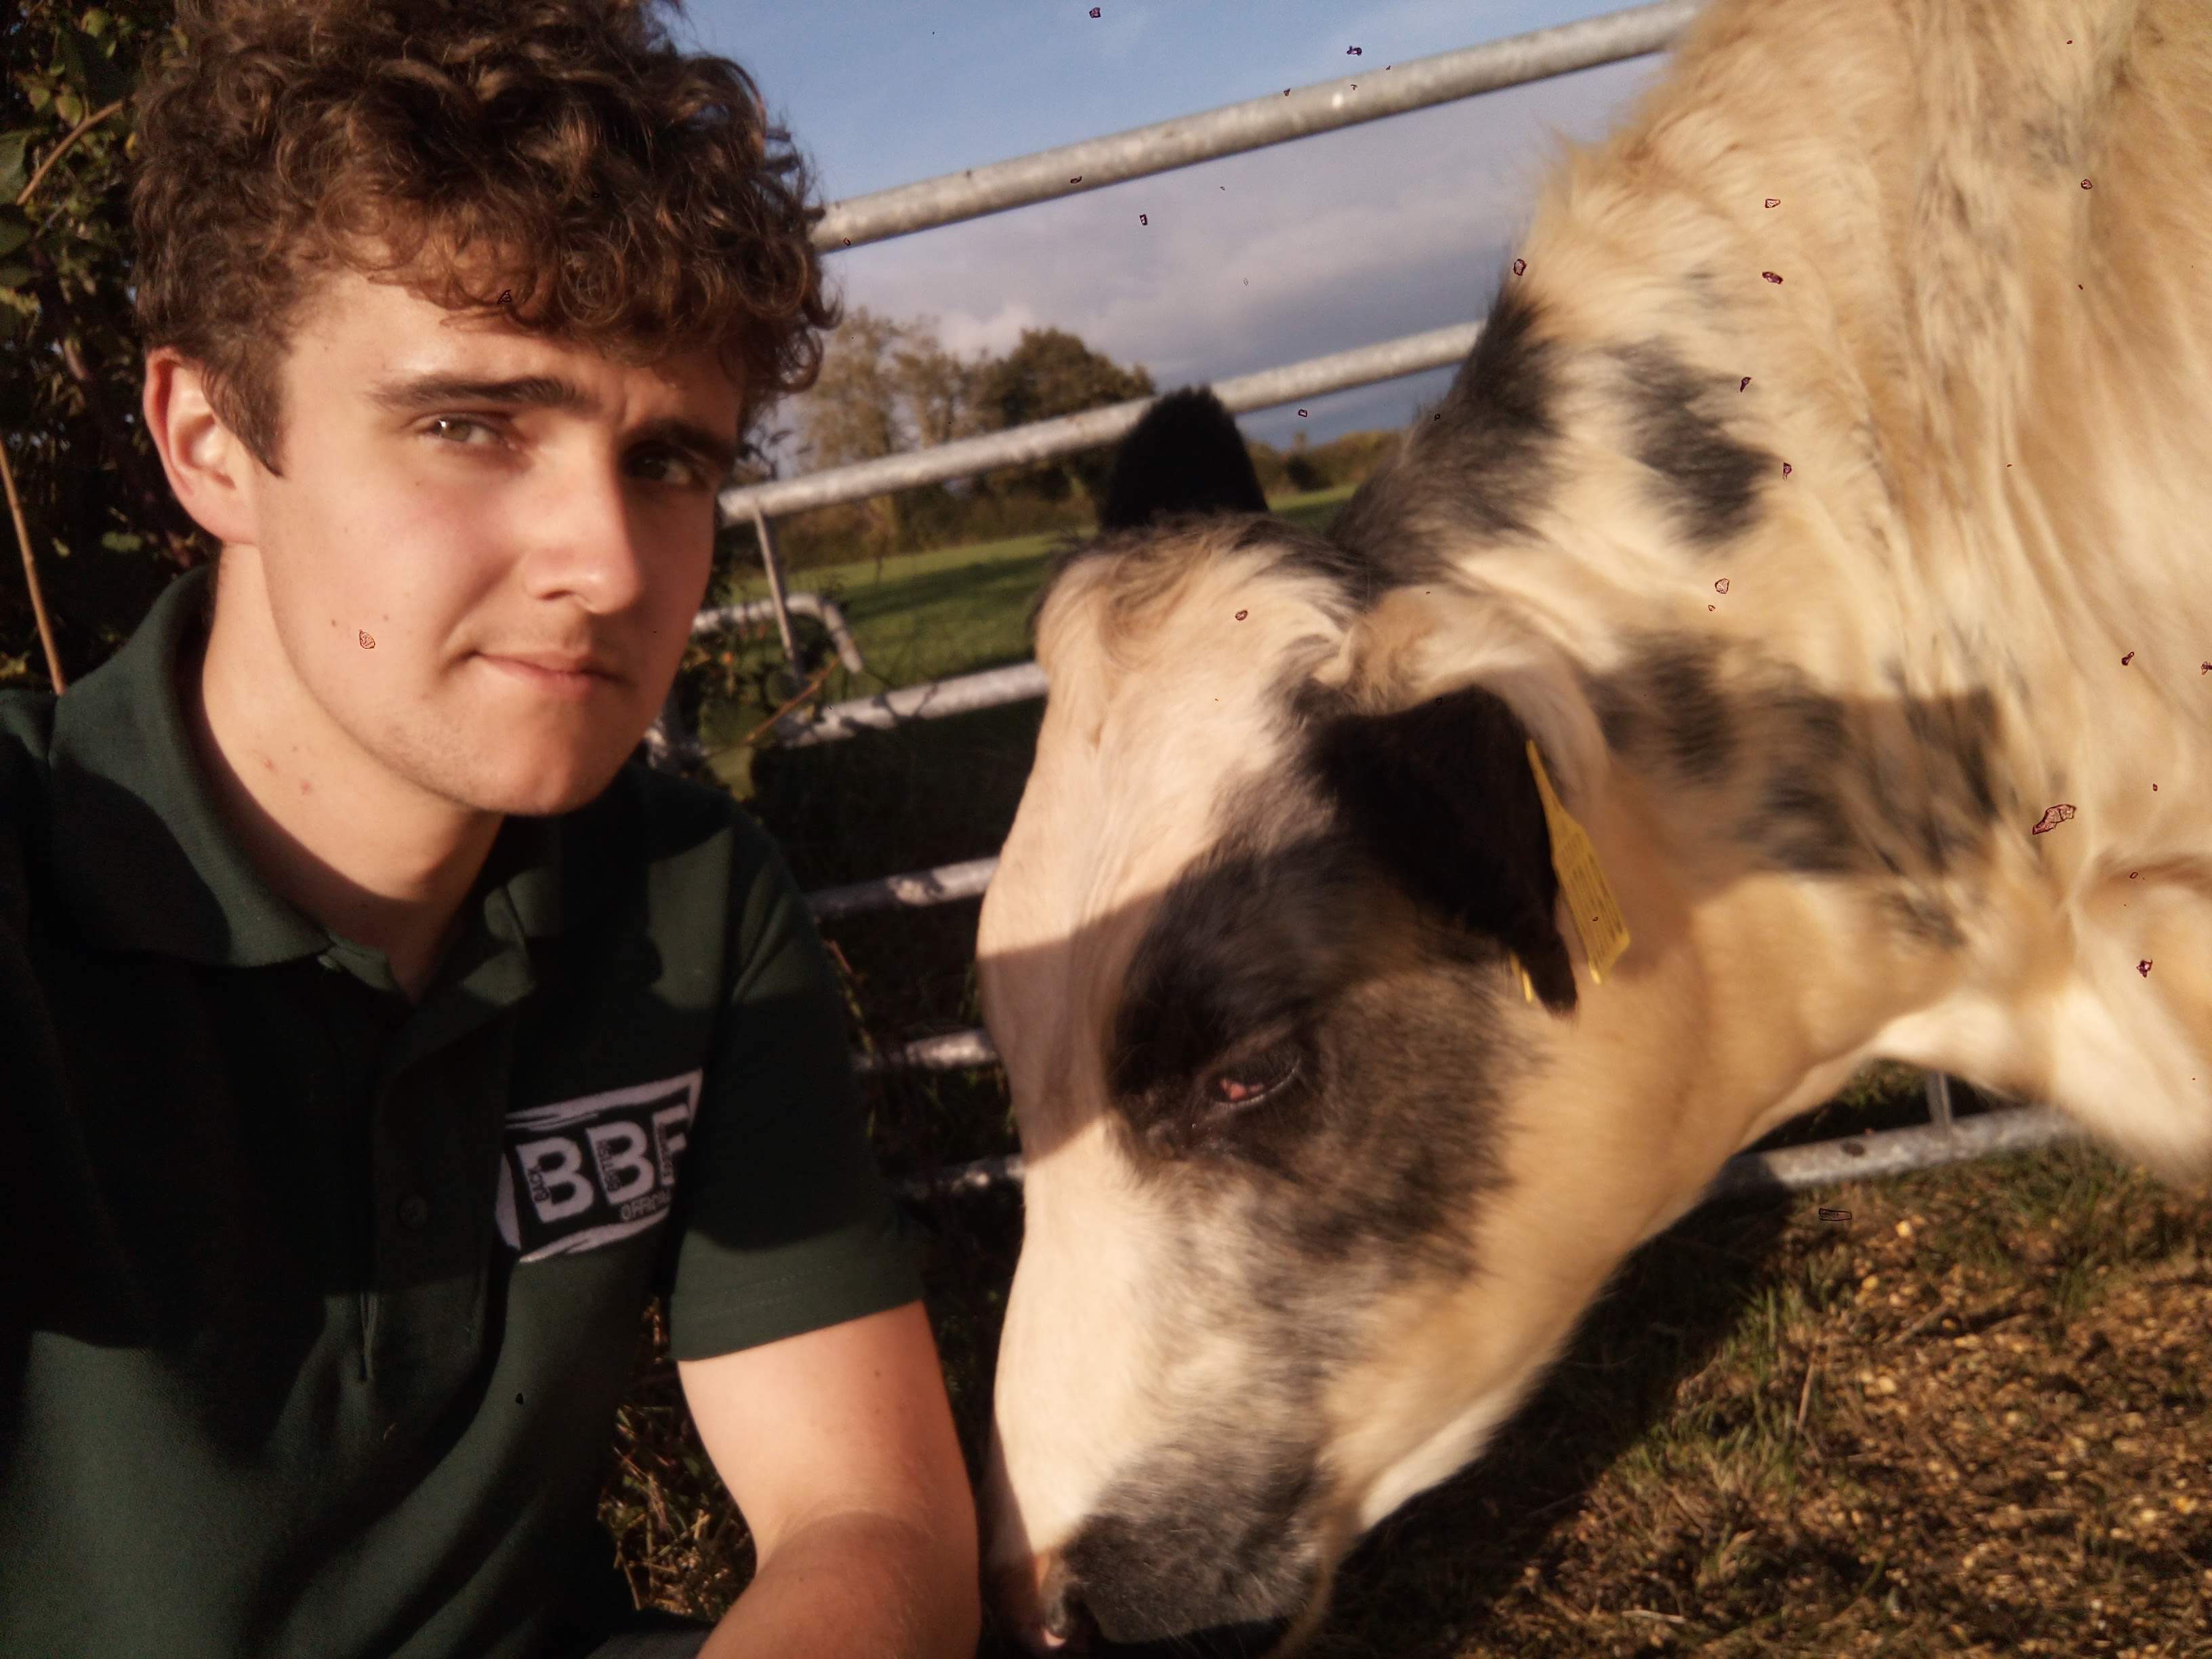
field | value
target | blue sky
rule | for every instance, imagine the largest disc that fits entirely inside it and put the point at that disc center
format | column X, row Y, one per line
column 1338, row 240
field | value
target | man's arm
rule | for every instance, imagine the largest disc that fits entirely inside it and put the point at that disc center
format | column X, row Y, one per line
column 839, row 1447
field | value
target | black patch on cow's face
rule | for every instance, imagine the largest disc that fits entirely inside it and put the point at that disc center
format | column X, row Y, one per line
column 1479, row 462
column 1443, row 797
column 1800, row 821
column 1670, row 696
column 1266, row 959
column 1203, row 1535
column 1955, row 735
column 1243, row 951
column 1185, row 456
column 1892, row 783
column 1709, row 480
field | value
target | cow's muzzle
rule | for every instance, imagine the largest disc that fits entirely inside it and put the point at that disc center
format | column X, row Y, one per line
column 1052, row 1617
column 1056, row 1612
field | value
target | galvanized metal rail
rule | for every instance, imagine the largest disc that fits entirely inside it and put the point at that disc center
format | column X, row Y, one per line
column 1042, row 441
column 941, row 885
column 822, row 610
column 933, row 700
column 1367, row 92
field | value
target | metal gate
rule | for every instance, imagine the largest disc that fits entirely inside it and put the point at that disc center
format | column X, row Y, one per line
column 1074, row 169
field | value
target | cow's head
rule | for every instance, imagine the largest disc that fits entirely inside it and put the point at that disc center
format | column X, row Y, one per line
column 1314, row 1190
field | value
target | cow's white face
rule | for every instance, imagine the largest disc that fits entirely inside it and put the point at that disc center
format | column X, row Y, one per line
column 1314, row 1194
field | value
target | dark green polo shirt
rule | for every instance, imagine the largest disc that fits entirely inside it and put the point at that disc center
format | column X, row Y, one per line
column 316, row 1306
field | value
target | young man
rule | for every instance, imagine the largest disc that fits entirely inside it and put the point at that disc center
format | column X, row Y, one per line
column 374, row 1040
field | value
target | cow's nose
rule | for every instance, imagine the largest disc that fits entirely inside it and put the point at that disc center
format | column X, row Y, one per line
column 1064, row 1623
column 1041, row 1600
column 1060, row 1623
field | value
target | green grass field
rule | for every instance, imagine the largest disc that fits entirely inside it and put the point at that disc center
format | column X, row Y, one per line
column 926, row 616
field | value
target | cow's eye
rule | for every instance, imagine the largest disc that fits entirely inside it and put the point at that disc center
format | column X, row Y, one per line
column 1254, row 1078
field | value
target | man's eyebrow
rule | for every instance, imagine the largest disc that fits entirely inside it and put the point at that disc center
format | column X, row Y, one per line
column 413, row 393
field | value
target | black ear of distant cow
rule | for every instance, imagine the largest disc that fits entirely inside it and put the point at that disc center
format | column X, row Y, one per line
column 1441, row 796
column 1185, row 456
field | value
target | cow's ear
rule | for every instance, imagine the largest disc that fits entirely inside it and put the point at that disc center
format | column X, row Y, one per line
column 1441, row 795
column 1185, row 456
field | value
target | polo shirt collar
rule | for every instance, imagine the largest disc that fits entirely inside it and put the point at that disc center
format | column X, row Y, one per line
column 144, row 858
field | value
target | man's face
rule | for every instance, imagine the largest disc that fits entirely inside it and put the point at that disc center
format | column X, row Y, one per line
column 433, row 560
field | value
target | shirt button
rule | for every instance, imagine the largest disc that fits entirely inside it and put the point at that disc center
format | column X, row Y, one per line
column 414, row 1211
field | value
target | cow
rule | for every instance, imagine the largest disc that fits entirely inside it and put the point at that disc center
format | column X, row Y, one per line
column 1787, row 644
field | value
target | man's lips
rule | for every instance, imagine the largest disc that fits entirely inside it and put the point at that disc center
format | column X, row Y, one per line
column 558, row 662
column 555, row 671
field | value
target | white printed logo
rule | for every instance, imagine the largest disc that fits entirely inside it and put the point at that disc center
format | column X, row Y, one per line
column 582, row 1173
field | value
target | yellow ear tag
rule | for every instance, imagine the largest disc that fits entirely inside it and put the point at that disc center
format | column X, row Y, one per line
column 1597, row 915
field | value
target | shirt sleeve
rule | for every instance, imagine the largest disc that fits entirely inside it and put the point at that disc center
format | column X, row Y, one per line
column 785, row 1223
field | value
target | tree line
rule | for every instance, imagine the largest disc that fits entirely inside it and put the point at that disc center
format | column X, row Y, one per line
column 890, row 385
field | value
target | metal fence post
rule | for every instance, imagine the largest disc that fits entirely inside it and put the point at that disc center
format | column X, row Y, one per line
column 1939, row 1099
column 670, row 745
column 772, row 562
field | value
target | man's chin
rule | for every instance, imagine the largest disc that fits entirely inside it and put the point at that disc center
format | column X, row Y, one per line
column 560, row 785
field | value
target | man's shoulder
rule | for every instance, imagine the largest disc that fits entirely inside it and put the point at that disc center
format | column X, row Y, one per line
column 27, row 738
column 26, row 731
column 26, row 728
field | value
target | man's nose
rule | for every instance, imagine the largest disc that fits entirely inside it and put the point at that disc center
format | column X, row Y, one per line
column 599, row 551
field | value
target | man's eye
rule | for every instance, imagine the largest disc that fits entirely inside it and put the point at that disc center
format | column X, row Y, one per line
column 460, row 420
column 691, row 474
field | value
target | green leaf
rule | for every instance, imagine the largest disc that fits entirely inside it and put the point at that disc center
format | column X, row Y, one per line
column 14, row 276
column 61, row 547
column 12, row 174
column 66, row 38
column 14, row 229
column 104, row 80
column 94, row 22
column 121, row 541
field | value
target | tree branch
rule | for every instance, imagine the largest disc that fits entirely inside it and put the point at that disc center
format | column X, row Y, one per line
column 31, row 575
column 62, row 149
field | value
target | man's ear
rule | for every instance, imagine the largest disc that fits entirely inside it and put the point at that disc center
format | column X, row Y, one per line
column 1441, row 795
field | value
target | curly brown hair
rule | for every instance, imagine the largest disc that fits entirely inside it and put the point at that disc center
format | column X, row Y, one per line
column 633, row 198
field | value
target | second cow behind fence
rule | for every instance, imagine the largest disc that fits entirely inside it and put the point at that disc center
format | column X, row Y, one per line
column 1788, row 644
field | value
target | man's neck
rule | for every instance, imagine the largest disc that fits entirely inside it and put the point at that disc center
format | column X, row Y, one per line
column 365, row 853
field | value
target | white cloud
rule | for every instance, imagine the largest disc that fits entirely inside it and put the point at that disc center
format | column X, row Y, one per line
column 963, row 333
column 1343, row 239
